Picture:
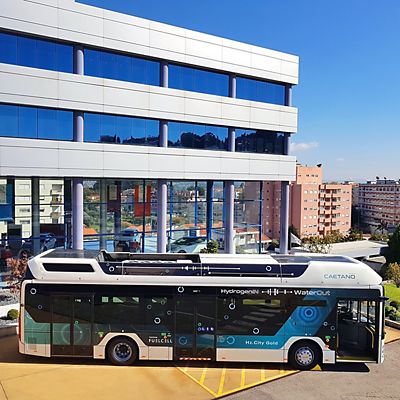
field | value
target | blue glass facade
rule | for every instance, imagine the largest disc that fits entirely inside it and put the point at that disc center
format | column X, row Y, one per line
column 198, row 80
column 262, row 91
column 102, row 128
column 258, row 141
column 197, row 136
column 104, row 64
column 36, row 53
column 35, row 122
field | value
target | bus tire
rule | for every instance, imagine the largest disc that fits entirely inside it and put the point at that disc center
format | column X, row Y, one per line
column 122, row 350
column 304, row 355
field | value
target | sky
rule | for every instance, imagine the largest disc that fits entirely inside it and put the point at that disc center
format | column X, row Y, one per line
column 349, row 91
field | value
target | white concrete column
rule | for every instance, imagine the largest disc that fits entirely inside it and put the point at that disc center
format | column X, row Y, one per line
column 103, row 213
column 77, row 214
column 229, row 186
column 35, row 193
column 77, row 183
column 161, row 216
column 161, row 183
column 285, row 189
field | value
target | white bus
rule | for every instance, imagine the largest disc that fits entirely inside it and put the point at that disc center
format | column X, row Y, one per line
column 127, row 307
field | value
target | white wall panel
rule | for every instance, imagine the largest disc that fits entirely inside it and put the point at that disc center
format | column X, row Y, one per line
column 81, row 23
column 164, row 40
column 29, row 157
column 33, row 86
column 88, row 25
column 126, row 33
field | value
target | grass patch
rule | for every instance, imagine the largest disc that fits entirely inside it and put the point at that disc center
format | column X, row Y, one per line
column 392, row 292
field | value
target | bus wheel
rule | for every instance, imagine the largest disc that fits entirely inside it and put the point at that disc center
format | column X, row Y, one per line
column 304, row 355
column 122, row 351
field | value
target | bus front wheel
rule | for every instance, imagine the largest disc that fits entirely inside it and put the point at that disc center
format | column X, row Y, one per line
column 122, row 351
column 304, row 355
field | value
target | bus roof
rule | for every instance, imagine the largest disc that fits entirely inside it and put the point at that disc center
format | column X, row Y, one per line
column 315, row 270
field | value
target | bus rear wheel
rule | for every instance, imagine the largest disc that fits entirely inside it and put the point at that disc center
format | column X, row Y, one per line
column 304, row 355
column 122, row 351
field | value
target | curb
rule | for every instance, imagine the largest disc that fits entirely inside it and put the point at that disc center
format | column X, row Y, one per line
column 392, row 324
column 9, row 330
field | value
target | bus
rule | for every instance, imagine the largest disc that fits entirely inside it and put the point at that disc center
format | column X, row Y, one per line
column 304, row 309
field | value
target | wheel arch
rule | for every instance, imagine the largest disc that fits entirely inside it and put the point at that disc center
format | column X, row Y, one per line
column 304, row 339
column 318, row 357
column 100, row 350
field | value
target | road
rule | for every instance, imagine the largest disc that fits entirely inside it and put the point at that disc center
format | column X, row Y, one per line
column 26, row 377
column 342, row 381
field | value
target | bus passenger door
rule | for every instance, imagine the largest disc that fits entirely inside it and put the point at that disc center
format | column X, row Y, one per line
column 194, row 328
column 358, row 330
column 71, row 330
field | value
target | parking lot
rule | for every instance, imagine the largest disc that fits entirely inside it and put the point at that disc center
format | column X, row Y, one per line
column 24, row 377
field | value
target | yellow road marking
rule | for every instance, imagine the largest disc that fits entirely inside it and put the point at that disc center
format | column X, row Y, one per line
column 243, row 377
column 221, row 382
column 262, row 373
column 195, row 380
column 250, row 385
column 203, row 375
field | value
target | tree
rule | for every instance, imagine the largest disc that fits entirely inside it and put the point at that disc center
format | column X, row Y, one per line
column 318, row 245
column 17, row 267
column 393, row 273
column 393, row 251
column 294, row 231
column 354, row 235
column 212, row 247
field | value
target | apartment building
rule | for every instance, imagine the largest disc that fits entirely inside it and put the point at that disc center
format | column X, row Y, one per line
column 127, row 115
column 319, row 208
column 316, row 208
column 379, row 204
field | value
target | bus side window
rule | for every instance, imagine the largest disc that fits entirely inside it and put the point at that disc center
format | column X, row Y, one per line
column 250, row 316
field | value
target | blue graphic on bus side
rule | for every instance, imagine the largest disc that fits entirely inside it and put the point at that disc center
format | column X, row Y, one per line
column 304, row 321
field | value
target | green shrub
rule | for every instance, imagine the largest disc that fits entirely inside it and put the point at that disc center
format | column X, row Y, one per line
column 395, row 316
column 212, row 247
column 395, row 304
column 389, row 310
column 12, row 314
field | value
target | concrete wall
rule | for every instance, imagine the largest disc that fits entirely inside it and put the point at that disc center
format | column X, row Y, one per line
column 49, row 158
column 67, row 20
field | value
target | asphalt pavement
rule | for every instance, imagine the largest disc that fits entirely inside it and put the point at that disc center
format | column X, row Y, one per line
column 341, row 381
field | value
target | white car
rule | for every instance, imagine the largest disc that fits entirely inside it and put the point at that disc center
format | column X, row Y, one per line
column 128, row 240
column 188, row 244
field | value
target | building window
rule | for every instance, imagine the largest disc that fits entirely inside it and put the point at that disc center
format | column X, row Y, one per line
column 36, row 53
column 102, row 128
column 258, row 90
column 198, row 80
column 250, row 141
column 104, row 64
column 35, row 122
column 197, row 136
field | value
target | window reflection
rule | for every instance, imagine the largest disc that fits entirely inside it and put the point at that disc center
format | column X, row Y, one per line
column 104, row 64
column 198, row 80
column 197, row 136
column 102, row 128
column 257, row 90
column 36, row 53
column 35, row 122
column 250, row 141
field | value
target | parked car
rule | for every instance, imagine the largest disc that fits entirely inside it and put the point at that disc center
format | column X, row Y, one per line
column 188, row 244
column 47, row 241
column 128, row 240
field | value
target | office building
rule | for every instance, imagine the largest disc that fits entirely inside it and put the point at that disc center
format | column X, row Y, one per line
column 138, row 125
